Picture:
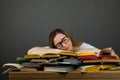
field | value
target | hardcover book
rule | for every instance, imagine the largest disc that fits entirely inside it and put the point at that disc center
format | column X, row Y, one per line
column 63, row 69
column 102, row 61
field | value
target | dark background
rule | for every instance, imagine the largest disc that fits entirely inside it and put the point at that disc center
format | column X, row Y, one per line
column 27, row 23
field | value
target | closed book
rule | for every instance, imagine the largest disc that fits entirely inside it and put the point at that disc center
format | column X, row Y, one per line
column 60, row 68
column 32, row 65
column 28, row 69
column 107, row 57
column 57, row 59
column 50, row 64
column 111, row 60
column 39, row 60
column 102, row 61
column 89, row 57
column 49, row 55
column 22, row 59
column 92, row 61
column 72, row 61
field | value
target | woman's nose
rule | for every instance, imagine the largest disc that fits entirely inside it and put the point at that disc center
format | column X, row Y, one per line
column 64, row 45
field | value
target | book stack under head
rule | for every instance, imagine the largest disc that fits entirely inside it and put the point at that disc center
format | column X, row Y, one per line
column 55, row 60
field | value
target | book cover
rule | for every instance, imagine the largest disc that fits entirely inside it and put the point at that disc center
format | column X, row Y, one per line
column 49, row 55
column 46, row 60
column 32, row 56
column 88, row 57
column 101, row 61
column 39, row 60
column 63, row 69
column 28, row 69
column 22, row 59
column 32, row 64
column 72, row 61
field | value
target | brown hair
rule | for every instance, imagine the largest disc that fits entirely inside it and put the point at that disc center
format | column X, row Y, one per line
column 55, row 32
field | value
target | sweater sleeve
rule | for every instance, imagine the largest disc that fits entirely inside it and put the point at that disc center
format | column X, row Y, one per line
column 85, row 47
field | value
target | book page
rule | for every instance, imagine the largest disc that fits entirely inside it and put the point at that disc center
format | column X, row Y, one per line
column 42, row 50
column 18, row 66
column 97, row 51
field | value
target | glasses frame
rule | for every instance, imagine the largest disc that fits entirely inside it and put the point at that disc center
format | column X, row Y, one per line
column 64, row 40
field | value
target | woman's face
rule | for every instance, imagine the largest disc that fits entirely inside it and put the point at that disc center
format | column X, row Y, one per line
column 63, row 42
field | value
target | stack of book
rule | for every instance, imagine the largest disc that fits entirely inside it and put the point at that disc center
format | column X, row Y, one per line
column 104, row 61
column 55, row 60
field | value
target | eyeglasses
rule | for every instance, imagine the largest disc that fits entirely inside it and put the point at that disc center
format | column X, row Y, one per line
column 63, row 40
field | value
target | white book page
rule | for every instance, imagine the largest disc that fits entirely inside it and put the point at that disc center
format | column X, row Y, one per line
column 42, row 50
column 13, row 65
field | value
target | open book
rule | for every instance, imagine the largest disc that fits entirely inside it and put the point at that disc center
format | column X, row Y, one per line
column 50, row 52
column 16, row 65
column 95, row 68
column 21, row 67
column 42, row 52
column 12, row 66
column 108, row 53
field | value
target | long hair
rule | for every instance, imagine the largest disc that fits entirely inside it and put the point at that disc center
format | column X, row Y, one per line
column 55, row 32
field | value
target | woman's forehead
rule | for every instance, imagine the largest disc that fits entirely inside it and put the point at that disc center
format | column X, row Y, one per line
column 58, row 37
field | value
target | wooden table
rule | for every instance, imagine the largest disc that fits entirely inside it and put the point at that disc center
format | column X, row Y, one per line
column 73, row 75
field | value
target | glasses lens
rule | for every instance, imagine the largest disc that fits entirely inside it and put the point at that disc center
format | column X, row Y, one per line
column 65, row 40
column 58, row 45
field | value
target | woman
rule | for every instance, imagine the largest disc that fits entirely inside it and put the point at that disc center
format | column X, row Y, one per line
column 60, row 39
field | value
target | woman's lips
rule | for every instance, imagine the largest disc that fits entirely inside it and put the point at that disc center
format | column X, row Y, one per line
column 68, row 48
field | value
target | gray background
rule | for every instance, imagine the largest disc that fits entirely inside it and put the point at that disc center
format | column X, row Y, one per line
column 27, row 23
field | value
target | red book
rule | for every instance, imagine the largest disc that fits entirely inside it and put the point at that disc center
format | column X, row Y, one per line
column 107, row 57
column 89, row 57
